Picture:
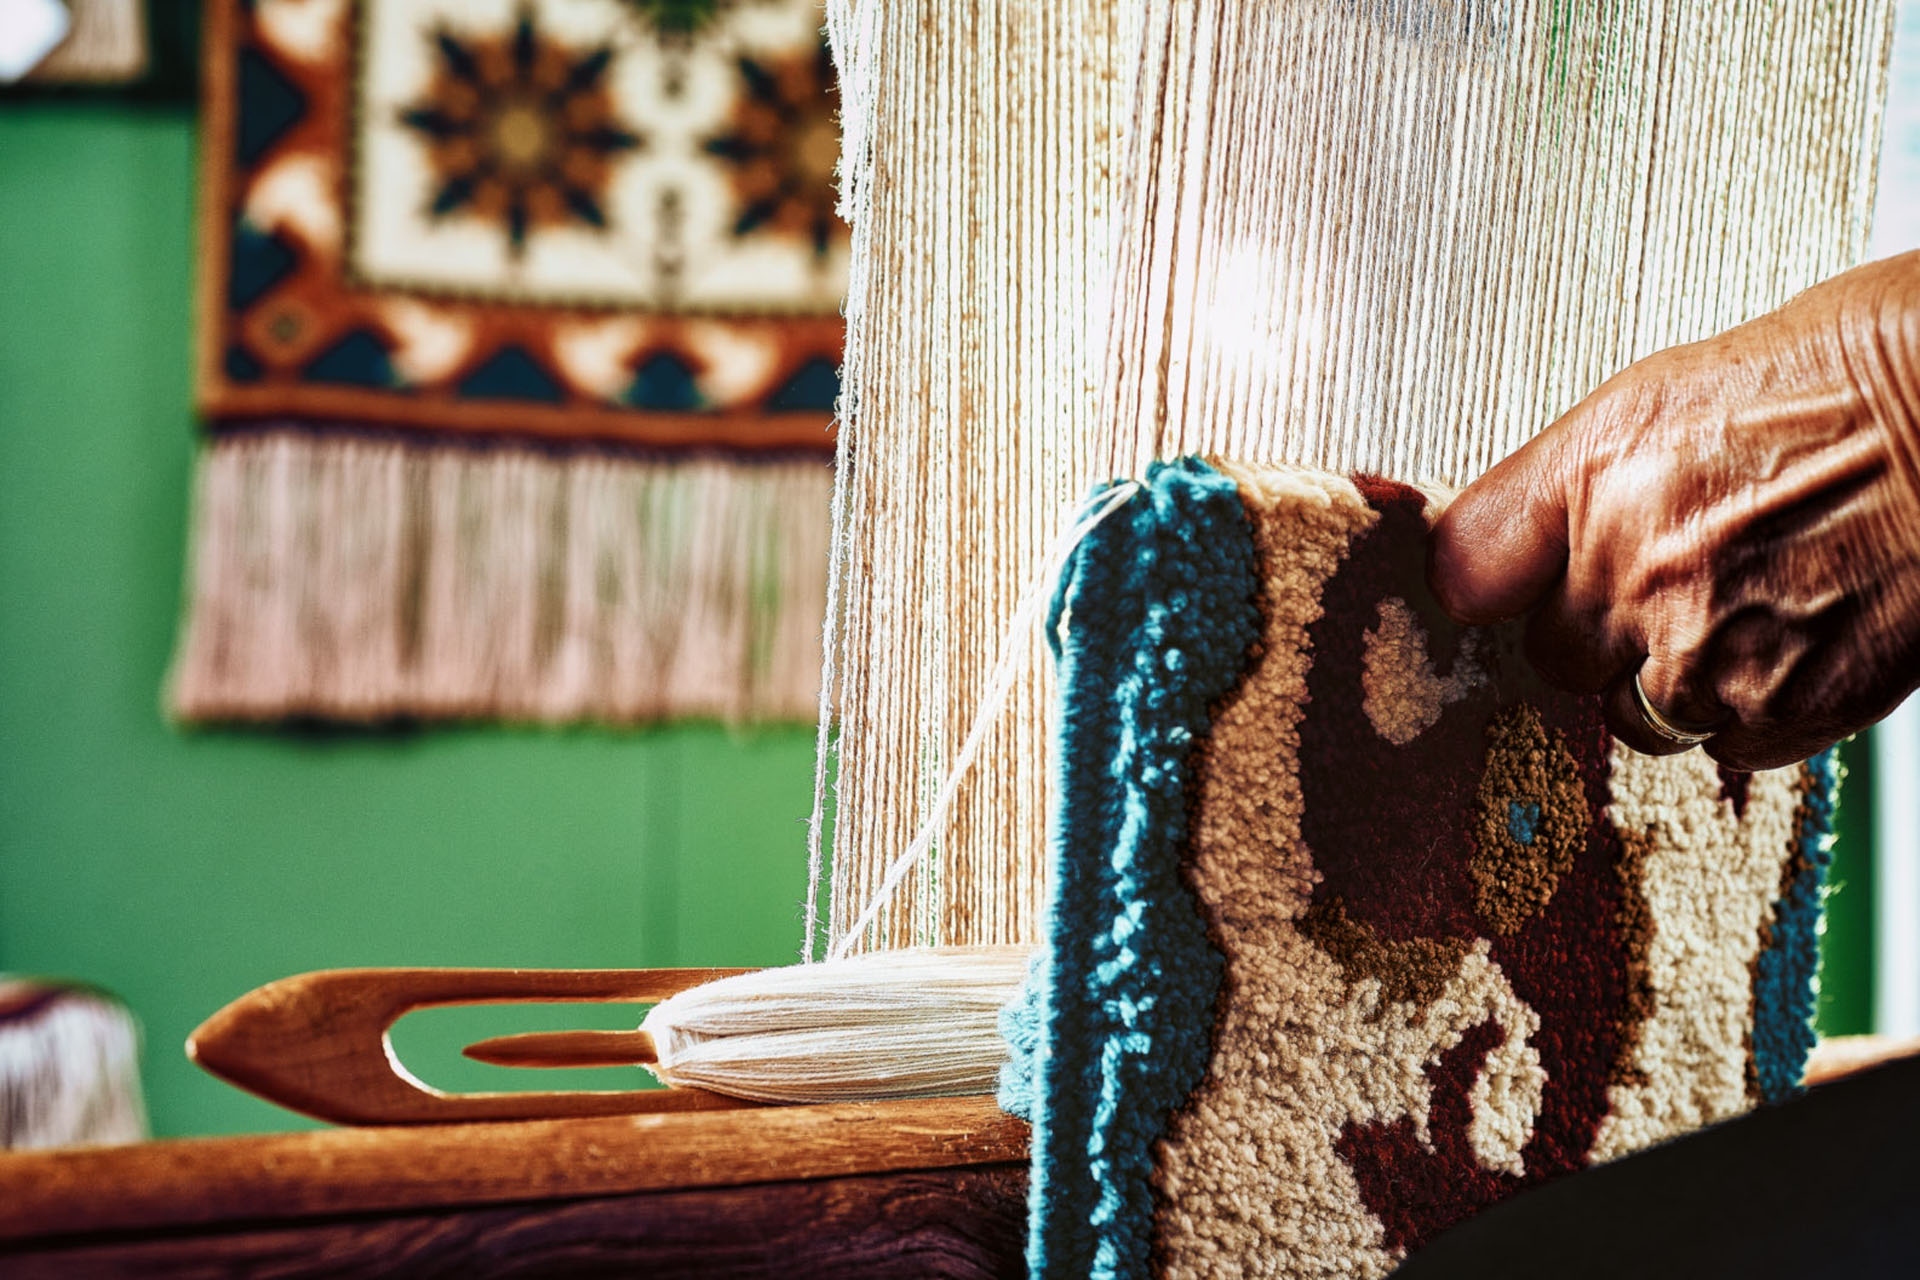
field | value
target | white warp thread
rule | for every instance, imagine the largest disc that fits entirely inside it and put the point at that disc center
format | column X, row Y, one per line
column 1388, row 235
column 1014, row 652
column 914, row 1023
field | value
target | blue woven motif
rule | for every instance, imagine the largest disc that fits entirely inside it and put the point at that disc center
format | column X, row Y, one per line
column 1783, row 984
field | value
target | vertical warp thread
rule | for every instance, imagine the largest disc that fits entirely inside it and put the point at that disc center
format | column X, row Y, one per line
column 1353, row 234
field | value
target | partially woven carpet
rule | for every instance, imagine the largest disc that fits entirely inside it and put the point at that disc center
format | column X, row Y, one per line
column 1356, row 927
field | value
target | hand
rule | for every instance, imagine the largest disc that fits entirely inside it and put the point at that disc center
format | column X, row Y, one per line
column 1737, row 520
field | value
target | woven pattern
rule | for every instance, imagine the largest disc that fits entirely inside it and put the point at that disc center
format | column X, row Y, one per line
column 556, row 217
column 1467, row 942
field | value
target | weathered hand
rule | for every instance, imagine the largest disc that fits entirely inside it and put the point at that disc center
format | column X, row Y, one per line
column 1737, row 520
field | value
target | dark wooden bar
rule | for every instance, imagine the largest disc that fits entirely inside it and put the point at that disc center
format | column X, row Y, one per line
column 930, row 1188
column 967, row 1224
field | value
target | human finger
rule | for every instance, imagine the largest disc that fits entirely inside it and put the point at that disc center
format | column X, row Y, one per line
column 1502, row 543
column 1747, row 749
column 1574, row 644
column 1665, row 705
column 1788, row 687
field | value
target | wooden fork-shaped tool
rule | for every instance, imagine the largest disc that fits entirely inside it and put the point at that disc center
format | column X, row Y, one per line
column 317, row 1043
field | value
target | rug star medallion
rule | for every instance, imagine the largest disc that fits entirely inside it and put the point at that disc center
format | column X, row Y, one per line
column 580, row 216
column 520, row 131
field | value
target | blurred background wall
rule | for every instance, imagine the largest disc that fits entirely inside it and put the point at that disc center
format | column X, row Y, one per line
column 179, row 869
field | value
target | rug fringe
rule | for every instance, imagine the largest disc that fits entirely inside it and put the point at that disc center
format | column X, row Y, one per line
column 357, row 579
column 107, row 44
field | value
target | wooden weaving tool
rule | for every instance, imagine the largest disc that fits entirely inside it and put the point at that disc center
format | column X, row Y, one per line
column 901, row 1024
column 318, row 1043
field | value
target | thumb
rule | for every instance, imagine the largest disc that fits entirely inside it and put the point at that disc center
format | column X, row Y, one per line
column 1502, row 544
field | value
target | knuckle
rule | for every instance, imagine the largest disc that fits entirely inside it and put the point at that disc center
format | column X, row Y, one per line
column 1754, row 752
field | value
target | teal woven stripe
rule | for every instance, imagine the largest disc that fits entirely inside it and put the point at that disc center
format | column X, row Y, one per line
column 1114, row 1030
column 1783, row 986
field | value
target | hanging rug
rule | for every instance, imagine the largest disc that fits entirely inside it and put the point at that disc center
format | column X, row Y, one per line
column 519, row 337
column 605, row 218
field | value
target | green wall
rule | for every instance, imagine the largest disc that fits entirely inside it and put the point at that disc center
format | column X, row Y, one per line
column 181, row 869
column 1846, row 947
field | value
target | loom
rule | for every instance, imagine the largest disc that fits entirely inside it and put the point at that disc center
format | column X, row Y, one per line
column 1307, row 241
column 1396, row 237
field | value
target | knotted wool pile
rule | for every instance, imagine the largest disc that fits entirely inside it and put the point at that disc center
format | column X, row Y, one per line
column 1356, row 928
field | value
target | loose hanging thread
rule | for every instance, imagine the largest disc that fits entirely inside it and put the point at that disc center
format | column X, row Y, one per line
column 1014, row 651
column 913, row 1022
column 368, row 578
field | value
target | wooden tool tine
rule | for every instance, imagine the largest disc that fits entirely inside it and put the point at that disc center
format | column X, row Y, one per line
column 317, row 1042
column 565, row 1049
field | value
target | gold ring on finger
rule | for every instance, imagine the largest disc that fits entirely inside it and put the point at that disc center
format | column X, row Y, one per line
column 1658, row 724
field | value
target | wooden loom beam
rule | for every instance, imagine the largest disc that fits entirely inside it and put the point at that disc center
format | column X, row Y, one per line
column 909, row 1189
column 923, row 1187
column 193, row 1181
column 966, row 1224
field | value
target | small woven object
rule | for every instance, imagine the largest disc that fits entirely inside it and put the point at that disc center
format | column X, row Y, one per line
column 69, row 1067
column 1356, row 927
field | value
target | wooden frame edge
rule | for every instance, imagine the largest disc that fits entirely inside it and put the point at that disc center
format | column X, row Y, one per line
column 279, row 1177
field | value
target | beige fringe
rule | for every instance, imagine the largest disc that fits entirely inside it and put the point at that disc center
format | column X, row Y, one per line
column 1394, row 235
column 107, row 44
column 358, row 579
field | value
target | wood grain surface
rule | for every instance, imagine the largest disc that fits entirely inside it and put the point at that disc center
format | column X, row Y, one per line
column 923, row 1188
column 205, row 1181
column 960, row 1224
column 317, row 1042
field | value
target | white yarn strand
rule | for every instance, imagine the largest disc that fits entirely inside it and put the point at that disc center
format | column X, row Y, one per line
column 912, row 1023
column 1015, row 649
